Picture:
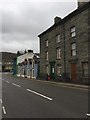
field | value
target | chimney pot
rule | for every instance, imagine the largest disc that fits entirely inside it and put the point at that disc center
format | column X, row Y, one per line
column 30, row 51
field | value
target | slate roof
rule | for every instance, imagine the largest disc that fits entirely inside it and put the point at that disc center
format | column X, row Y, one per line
column 62, row 21
column 27, row 55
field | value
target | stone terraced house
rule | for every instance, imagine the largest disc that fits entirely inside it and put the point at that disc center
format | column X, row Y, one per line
column 64, row 47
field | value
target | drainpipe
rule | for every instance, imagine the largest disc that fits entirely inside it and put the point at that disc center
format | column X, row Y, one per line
column 32, row 68
column 64, row 49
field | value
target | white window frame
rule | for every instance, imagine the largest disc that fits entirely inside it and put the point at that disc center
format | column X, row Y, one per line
column 73, row 32
column 46, row 43
column 58, row 53
column 47, row 69
column 47, row 55
column 58, row 70
column 58, row 38
column 73, row 49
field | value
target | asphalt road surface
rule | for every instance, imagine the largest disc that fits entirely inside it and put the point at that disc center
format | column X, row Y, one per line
column 0, row 96
column 25, row 98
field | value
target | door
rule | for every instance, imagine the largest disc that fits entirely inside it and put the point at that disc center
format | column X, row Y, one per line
column 73, row 71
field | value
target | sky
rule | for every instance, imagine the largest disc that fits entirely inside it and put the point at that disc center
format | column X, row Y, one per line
column 21, row 21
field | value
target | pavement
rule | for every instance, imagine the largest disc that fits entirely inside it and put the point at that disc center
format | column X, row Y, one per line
column 69, row 84
column 63, row 84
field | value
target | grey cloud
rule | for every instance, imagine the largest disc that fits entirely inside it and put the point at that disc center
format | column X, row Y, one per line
column 32, row 17
column 20, row 46
column 23, row 22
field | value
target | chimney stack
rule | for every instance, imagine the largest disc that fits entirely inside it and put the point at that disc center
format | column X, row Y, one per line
column 30, row 51
column 57, row 19
column 82, row 2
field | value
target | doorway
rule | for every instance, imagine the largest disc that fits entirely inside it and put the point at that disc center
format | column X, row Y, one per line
column 73, row 71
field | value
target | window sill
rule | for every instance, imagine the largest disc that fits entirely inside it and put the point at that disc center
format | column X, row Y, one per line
column 58, row 59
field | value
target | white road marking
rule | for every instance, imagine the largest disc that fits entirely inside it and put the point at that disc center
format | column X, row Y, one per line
column 88, row 114
column 39, row 94
column 7, row 81
column 15, row 85
column 4, row 111
column 3, row 108
column 1, row 101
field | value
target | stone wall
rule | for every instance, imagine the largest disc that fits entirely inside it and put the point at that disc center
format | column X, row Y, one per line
column 81, row 23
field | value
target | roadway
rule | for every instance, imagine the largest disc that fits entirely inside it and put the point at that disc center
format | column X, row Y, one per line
column 25, row 98
column 0, row 95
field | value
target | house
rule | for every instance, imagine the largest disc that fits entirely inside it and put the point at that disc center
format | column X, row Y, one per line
column 6, row 61
column 64, row 47
column 27, row 65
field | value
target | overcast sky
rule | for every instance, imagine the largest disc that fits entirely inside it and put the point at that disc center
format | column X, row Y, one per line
column 23, row 20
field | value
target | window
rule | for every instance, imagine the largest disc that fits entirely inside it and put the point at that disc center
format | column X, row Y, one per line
column 73, row 32
column 73, row 49
column 47, row 69
column 58, row 53
column 29, row 61
column 33, row 64
column 8, row 63
column 32, row 72
column 58, row 70
column 58, row 38
column 85, row 68
column 46, row 55
column 46, row 43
